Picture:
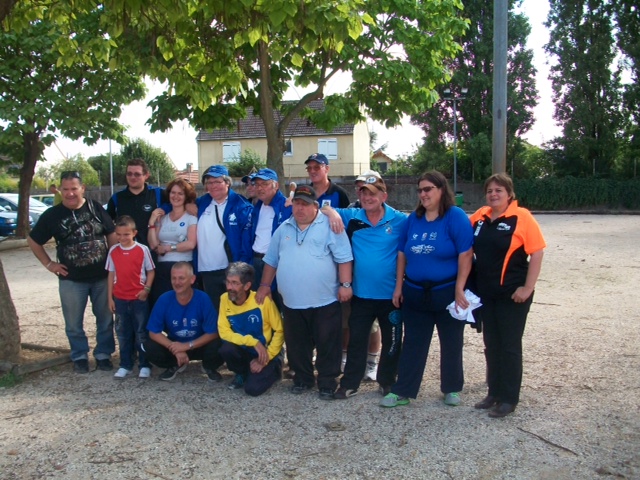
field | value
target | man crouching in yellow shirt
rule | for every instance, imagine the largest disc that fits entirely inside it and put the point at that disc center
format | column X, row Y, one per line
column 252, row 334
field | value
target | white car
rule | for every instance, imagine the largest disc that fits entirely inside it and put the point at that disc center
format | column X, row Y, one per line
column 9, row 201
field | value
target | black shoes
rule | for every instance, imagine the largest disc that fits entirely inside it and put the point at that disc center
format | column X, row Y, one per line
column 81, row 366
column 502, row 410
column 104, row 364
column 486, row 403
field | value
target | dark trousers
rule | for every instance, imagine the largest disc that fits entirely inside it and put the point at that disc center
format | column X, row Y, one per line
column 214, row 283
column 258, row 265
column 319, row 328
column 163, row 358
column 238, row 360
column 503, row 323
column 420, row 316
column 363, row 313
column 161, row 282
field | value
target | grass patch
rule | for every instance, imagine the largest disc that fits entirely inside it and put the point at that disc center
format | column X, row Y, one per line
column 10, row 380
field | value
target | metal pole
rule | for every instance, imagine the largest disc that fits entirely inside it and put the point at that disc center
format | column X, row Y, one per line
column 455, row 152
column 111, row 167
column 500, row 34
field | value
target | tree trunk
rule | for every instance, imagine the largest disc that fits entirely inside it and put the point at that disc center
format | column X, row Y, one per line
column 32, row 151
column 9, row 327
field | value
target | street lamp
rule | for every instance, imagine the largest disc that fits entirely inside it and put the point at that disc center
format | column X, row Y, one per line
column 448, row 95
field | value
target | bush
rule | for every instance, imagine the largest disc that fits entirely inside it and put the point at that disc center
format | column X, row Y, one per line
column 248, row 161
column 572, row 192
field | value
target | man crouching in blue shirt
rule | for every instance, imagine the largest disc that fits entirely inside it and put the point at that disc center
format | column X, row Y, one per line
column 189, row 318
column 252, row 334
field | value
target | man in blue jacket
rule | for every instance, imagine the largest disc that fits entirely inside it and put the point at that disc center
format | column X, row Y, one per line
column 224, row 231
column 268, row 214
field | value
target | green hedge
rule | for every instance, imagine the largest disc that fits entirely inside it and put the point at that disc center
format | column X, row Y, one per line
column 571, row 192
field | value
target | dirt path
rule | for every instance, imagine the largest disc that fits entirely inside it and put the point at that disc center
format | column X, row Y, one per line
column 579, row 416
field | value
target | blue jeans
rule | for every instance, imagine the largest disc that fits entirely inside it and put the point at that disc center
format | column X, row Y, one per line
column 73, row 297
column 131, row 328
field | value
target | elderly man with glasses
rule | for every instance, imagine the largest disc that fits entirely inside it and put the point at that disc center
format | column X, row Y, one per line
column 268, row 214
column 83, row 232
column 224, row 231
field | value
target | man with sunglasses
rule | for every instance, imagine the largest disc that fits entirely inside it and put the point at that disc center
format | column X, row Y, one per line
column 83, row 232
column 138, row 199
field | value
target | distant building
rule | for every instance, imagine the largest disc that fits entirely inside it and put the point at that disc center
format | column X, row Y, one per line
column 346, row 147
column 188, row 174
column 383, row 160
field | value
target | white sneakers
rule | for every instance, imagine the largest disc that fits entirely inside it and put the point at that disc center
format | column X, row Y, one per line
column 371, row 371
column 122, row 373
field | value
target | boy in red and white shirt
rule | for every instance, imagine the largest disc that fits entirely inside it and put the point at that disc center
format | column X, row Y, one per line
column 131, row 273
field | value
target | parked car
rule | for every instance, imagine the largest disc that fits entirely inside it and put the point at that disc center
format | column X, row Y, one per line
column 46, row 198
column 10, row 203
column 9, row 222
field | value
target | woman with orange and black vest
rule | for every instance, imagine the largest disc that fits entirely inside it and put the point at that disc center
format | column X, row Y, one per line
column 508, row 247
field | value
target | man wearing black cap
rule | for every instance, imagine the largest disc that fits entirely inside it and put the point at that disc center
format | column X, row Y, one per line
column 328, row 193
column 224, row 231
column 304, row 250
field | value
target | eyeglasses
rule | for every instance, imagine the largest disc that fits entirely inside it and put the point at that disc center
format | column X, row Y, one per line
column 214, row 182
column 261, row 184
column 314, row 168
column 134, row 174
column 70, row 174
column 425, row 189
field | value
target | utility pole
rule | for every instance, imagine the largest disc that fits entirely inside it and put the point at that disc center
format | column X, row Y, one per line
column 500, row 35
column 450, row 96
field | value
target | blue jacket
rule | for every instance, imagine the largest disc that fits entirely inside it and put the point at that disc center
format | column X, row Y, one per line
column 236, row 221
column 281, row 213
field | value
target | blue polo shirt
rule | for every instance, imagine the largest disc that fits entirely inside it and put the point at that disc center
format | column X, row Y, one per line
column 432, row 248
column 183, row 323
column 306, row 262
column 375, row 250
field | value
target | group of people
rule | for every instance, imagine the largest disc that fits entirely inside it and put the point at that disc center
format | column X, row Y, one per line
column 218, row 279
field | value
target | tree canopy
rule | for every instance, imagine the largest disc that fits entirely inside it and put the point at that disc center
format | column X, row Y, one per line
column 219, row 58
column 41, row 96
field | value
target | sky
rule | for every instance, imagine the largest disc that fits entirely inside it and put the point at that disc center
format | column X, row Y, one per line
column 180, row 145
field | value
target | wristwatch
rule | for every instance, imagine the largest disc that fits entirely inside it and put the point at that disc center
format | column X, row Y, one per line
column 191, row 345
column 346, row 284
column 174, row 247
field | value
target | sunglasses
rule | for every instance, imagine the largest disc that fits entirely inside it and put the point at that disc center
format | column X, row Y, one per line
column 315, row 168
column 425, row 189
column 70, row 174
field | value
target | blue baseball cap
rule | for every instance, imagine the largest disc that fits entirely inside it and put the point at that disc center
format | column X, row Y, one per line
column 215, row 171
column 248, row 178
column 317, row 157
column 265, row 174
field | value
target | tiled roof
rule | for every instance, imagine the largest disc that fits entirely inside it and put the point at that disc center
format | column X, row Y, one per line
column 252, row 127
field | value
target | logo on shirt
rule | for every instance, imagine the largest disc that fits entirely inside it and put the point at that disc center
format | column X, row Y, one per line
column 233, row 219
column 175, row 323
column 182, row 224
column 475, row 234
column 414, row 236
column 422, row 249
column 433, row 235
column 326, row 203
column 253, row 319
column 503, row 227
column 194, row 322
column 147, row 208
column 388, row 230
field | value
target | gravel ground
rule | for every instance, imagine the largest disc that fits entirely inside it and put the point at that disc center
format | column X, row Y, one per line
column 579, row 415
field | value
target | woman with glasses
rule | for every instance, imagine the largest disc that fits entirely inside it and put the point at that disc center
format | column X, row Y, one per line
column 509, row 246
column 172, row 235
column 434, row 261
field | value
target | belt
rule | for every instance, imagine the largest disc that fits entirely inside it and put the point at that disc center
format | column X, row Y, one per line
column 258, row 255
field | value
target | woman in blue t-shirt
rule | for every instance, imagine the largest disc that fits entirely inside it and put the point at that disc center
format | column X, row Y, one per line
column 434, row 260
